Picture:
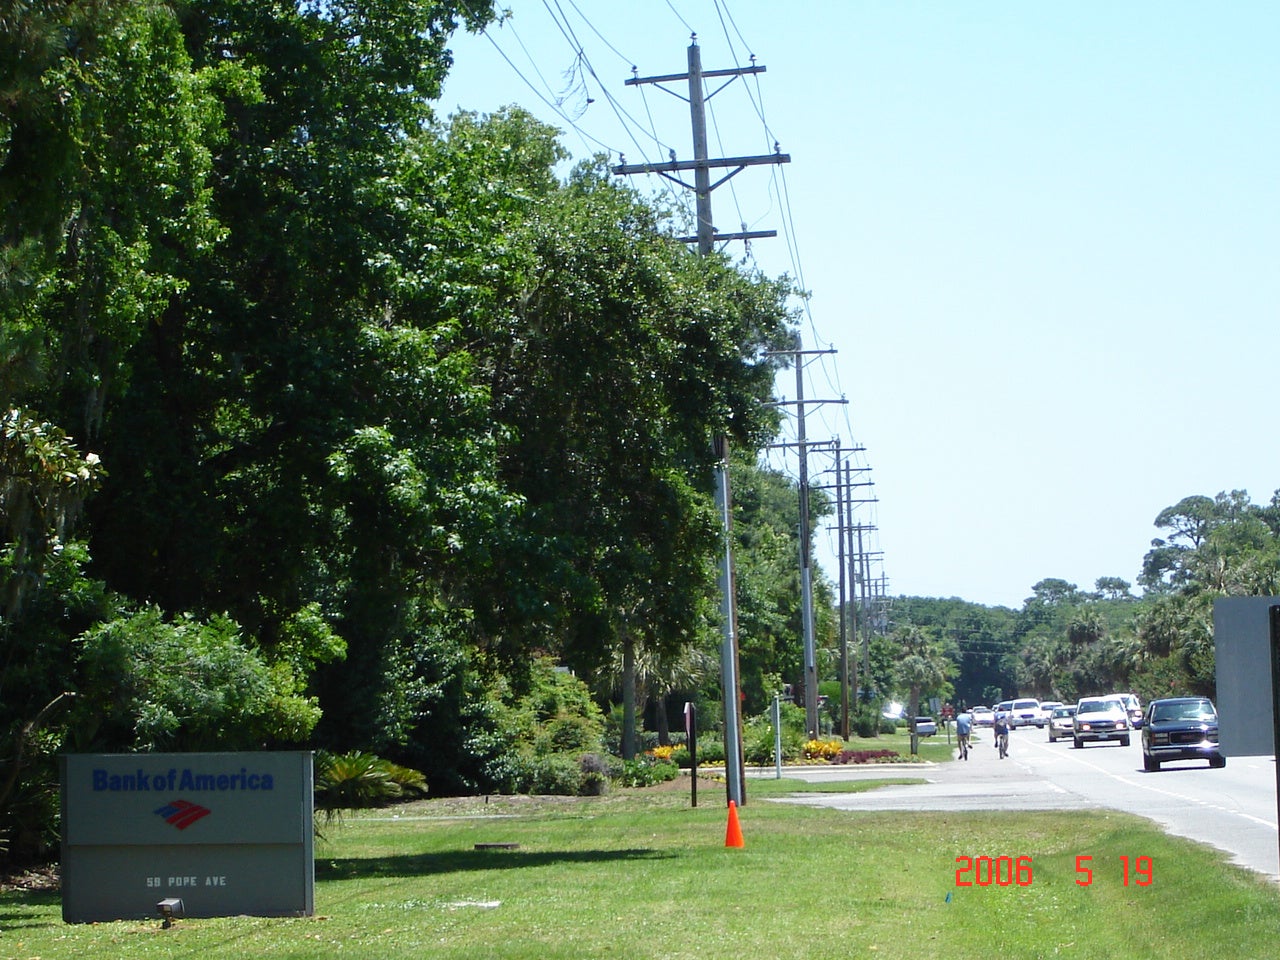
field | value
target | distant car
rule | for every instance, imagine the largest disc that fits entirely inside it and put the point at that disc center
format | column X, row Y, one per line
column 1025, row 713
column 983, row 716
column 1060, row 725
column 1003, row 708
column 1134, row 706
column 1098, row 719
column 926, row 726
column 1047, row 707
column 1180, row 728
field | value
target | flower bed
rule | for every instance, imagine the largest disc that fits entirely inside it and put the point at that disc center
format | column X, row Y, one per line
column 870, row 756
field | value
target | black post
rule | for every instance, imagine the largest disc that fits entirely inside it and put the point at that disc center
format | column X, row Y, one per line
column 691, row 741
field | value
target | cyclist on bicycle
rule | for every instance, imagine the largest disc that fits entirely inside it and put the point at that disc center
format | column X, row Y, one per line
column 964, row 726
column 1001, row 730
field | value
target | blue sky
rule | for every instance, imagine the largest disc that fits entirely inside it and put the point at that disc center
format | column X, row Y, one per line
column 1042, row 240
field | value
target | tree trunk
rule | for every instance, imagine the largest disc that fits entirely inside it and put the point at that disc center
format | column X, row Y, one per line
column 628, row 698
column 664, row 728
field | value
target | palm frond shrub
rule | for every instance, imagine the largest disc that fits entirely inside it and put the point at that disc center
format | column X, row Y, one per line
column 358, row 780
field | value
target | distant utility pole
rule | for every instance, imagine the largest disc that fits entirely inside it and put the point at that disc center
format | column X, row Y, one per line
column 849, row 565
column 702, row 186
column 806, row 549
column 844, row 610
column 859, row 560
column 874, row 604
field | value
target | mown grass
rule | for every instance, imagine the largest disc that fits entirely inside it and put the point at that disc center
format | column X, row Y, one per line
column 641, row 874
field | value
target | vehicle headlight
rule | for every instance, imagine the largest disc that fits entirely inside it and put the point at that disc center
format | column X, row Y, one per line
column 1159, row 738
column 1084, row 726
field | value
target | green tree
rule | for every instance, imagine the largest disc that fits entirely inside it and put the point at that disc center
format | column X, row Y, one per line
column 1042, row 662
column 765, row 524
column 1188, row 523
column 295, row 431
column 1053, row 592
column 153, row 684
column 921, row 667
column 1113, row 588
column 981, row 641
column 383, row 404
column 652, row 677
column 1220, row 546
column 614, row 356
column 103, row 157
column 1175, row 647
column 44, row 481
column 1086, row 627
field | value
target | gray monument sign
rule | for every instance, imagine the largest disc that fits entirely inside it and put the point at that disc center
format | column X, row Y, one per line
column 1242, row 654
column 213, row 834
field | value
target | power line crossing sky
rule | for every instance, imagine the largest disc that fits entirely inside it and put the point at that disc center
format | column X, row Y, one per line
column 1041, row 239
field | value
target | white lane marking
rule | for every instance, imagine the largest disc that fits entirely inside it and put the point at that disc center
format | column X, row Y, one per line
column 1169, row 793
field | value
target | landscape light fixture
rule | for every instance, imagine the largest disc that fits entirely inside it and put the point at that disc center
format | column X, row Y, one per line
column 170, row 909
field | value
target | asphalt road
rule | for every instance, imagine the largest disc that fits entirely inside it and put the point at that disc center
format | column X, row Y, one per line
column 1233, row 808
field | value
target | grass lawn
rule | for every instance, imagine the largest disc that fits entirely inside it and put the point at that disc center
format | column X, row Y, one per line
column 640, row 874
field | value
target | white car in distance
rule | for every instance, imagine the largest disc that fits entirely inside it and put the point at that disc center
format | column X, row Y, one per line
column 1025, row 712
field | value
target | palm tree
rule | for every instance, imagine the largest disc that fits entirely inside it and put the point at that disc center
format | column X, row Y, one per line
column 640, row 671
column 922, row 666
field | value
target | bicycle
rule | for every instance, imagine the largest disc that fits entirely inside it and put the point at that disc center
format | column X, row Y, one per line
column 1002, row 744
column 963, row 739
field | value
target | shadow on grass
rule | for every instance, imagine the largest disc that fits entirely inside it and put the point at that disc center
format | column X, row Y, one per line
column 462, row 861
column 15, row 907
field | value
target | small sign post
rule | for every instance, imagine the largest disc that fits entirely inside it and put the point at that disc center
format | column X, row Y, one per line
column 691, row 740
column 777, row 735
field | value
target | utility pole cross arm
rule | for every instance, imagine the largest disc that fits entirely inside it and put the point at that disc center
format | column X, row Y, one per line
column 673, row 77
column 671, row 166
column 717, row 236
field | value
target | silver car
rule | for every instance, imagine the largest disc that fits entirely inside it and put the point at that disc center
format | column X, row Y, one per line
column 1060, row 723
column 1098, row 719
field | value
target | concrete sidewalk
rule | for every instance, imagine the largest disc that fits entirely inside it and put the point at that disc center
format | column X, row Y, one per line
column 983, row 782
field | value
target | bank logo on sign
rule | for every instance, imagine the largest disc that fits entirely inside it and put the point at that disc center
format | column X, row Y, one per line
column 182, row 813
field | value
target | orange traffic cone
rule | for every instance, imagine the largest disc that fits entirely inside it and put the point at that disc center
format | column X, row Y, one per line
column 733, row 835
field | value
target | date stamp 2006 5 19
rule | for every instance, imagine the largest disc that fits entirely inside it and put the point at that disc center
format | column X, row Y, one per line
column 1019, row 871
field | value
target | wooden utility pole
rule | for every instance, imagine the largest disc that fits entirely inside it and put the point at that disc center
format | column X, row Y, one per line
column 702, row 165
column 806, row 574
column 842, row 605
